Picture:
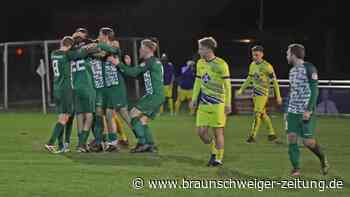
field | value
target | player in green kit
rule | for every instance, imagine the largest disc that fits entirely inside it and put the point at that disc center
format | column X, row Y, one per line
column 107, row 95
column 148, row 106
column 122, row 105
column 83, row 90
column 62, row 90
column 261, row 75
column 303, row 79
column 61, row 63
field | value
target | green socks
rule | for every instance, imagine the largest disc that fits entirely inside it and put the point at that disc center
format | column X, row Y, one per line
column 318, row 152
column 294, row 155
column 148, row 135
column 112, row 137
column 97, row 130
column 57, row 131
column 139, row 130
column 84, row 135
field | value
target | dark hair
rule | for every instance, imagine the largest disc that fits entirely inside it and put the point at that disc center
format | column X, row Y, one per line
column 298, row 50
column 209, row 42
column 67, row 41
column 258, row 48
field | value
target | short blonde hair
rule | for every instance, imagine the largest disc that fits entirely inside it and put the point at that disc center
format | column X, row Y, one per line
column 149, row 44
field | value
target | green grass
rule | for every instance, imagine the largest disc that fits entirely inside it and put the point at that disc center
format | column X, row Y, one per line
column 26, row 169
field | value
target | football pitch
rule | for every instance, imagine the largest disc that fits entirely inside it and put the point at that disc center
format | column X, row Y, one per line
column 26, row 169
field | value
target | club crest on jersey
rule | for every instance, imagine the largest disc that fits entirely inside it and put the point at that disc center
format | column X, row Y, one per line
column 206, row 78
column 256, row 76
column 314, row 76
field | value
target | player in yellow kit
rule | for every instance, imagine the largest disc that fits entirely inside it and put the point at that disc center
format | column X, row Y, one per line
column 261, row 75
column 212, row 95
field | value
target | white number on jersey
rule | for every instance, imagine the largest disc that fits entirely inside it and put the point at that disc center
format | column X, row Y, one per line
column 56, row 71
column 78, row 65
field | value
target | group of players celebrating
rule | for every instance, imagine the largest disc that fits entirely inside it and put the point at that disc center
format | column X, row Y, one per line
column 89, row 84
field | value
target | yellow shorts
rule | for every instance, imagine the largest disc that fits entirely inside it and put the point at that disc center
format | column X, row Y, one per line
column 260, row 103
column 184, row 94
column 211, row 115
column 168, row 91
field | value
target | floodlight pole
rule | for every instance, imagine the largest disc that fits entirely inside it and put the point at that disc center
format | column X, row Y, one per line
column 5, row 58
column 135, row 60
column 261, row 15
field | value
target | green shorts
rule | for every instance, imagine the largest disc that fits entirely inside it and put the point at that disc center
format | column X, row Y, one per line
column 149, row 105
column 63, row 100
column 303, row 128
column 113, row 97
column 84, row 100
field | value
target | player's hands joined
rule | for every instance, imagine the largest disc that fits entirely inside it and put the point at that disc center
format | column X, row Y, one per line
column 228, row 110
column 307, row 115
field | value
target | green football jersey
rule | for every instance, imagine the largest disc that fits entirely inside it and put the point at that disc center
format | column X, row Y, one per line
column 60, row 62
column 110, row 74
column 81, row 71
column 152, row 70
column 104, row 74
column 97, row 72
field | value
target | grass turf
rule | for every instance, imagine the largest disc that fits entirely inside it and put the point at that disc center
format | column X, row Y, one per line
column 26, row 169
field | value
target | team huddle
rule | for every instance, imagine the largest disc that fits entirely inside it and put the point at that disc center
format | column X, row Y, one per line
column 89, row 85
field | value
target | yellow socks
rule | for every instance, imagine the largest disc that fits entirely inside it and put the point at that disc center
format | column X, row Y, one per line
column 120, row 129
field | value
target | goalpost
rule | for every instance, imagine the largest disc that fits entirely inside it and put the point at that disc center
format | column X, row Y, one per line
column 21, row 84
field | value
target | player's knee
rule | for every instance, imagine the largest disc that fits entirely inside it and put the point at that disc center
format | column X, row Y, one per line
column 257, row 114
column 144, row 120
column 203, row 134
column 309, row 143
column 99, row 111
column 63, row 119
column 109, row 116
column 263, row 115
column 292, row 138
column 134, row 113
column 89, row 117
column 219, row 132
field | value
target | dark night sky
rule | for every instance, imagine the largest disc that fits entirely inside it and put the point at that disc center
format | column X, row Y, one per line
column 178, row 24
